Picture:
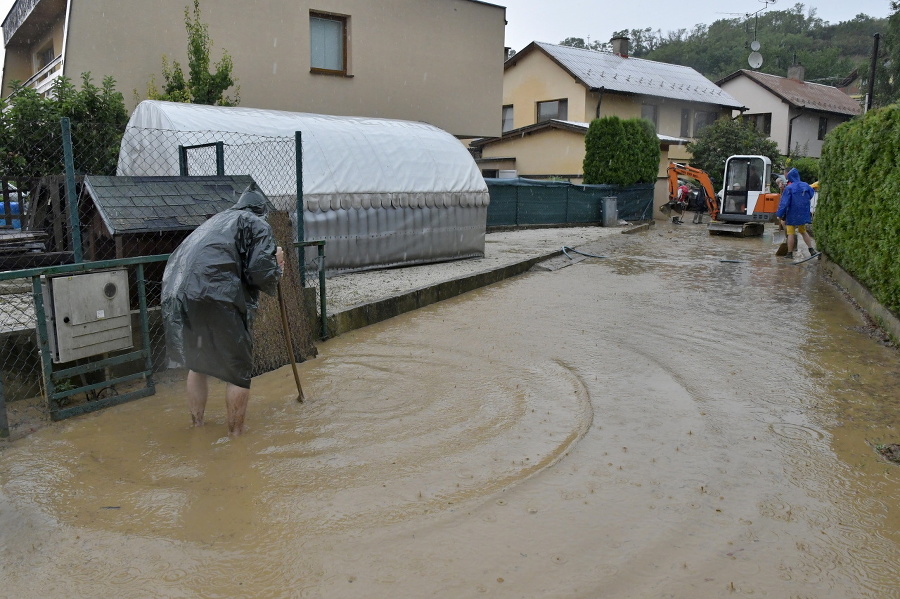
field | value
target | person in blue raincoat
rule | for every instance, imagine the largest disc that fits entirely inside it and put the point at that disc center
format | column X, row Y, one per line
column 210, row 291
column 794, row 210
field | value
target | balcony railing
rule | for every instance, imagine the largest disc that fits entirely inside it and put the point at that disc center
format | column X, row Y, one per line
column 42, row 81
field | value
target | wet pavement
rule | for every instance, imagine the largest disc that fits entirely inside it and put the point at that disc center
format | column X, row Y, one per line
column 689, row 417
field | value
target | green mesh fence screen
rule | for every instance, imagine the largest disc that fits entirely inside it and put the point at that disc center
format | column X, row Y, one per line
column 523, row 202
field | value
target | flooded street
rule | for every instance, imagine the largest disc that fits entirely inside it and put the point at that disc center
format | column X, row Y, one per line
column 660, row 423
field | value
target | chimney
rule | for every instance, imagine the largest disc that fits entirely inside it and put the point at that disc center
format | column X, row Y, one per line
column 797, row 72
column 620, row 46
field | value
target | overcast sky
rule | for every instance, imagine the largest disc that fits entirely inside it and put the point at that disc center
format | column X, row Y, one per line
column 544, row 21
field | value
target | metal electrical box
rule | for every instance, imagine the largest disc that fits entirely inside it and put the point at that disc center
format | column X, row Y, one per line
column 87, row 314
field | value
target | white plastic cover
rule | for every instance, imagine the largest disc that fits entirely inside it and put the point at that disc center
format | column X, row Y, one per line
column 379, row 192
column 341, row 155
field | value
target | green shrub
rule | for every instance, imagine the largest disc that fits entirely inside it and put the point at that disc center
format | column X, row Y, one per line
column 727, row 137
column 807, row 167
column 858, row 212
column 30, row 126
column 620, row 152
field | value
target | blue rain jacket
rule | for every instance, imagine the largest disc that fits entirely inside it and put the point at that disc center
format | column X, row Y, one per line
column 794, row 207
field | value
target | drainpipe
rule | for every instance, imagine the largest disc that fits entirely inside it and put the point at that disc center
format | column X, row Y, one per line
column 791, row 130
column 599, row 91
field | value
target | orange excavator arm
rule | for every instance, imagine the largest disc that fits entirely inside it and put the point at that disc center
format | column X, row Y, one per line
column 677, row 169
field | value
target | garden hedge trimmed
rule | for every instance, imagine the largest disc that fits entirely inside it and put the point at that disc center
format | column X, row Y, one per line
column 857, row 219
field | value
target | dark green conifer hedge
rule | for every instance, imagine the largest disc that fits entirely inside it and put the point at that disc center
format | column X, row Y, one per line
column 857, row 221
column 620, row 152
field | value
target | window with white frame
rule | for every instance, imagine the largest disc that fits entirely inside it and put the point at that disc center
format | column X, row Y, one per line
column 507, row 118
column 552, row 109
column 328, row 43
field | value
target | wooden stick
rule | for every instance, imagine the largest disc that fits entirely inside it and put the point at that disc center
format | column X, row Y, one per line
column 290, row 346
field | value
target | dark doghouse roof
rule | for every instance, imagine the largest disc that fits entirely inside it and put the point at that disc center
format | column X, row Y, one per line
column 144, row 204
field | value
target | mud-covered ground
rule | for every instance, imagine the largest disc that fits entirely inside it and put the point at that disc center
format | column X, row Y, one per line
column 689, row 417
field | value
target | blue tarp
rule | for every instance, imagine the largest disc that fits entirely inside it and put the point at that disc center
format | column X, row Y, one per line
column 13, row 209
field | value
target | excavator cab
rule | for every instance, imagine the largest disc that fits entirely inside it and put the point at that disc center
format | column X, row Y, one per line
column 746, row 203
column 746, row 177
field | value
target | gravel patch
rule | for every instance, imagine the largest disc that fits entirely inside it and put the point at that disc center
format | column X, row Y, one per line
column 500, row 249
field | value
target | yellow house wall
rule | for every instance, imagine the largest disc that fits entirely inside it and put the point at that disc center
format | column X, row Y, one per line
column 535, row 79
column 436, row 62
column 561, row 153
column 625, row 107
column 548, row 153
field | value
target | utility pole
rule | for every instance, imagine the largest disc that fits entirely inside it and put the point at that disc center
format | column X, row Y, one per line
column 872, row 67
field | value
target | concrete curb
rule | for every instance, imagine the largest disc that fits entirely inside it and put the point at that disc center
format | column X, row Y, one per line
column 363, row 315
column 881, row 315
column 639, row 228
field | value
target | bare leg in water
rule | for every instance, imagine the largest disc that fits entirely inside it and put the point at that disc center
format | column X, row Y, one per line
column 236, row 403
column 197, row 392
column 236, row 399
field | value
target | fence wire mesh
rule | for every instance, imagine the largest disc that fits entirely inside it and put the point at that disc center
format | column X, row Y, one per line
column 51, row 217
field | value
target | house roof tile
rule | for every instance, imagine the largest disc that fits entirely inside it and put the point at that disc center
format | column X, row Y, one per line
column 141, row 204
column 607, row 71
column 573, row 126
column 802, row 94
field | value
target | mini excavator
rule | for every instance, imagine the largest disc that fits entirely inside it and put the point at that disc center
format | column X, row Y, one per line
column 741, row 208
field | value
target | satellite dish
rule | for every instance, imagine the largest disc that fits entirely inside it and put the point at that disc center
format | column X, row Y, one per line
column 754, row 45
column 755, row 60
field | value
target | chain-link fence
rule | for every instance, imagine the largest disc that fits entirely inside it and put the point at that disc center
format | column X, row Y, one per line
column 67, row 203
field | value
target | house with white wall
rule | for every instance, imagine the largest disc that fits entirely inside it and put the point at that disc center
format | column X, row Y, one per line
column 794, row 113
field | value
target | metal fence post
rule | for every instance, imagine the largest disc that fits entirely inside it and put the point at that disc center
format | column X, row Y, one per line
column 220, row 158
column 71, row 195
column 40, row 326
column 322, row 309
column 298, row 141
column 145, row 325
column 517, row 206
column 182, row 161
column 4, row 422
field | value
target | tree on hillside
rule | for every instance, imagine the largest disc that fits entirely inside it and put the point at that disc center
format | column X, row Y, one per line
column 201, row 86
column 727, row 137
column 578, row 42
column 643, row 41
column 828, row 52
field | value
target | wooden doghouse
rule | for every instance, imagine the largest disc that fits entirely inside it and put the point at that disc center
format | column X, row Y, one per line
column 144, row 216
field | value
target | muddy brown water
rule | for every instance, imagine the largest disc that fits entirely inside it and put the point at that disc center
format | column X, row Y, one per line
column 657, row 424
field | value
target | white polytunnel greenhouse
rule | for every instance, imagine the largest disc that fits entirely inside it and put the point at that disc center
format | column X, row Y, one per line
column 379, row 192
